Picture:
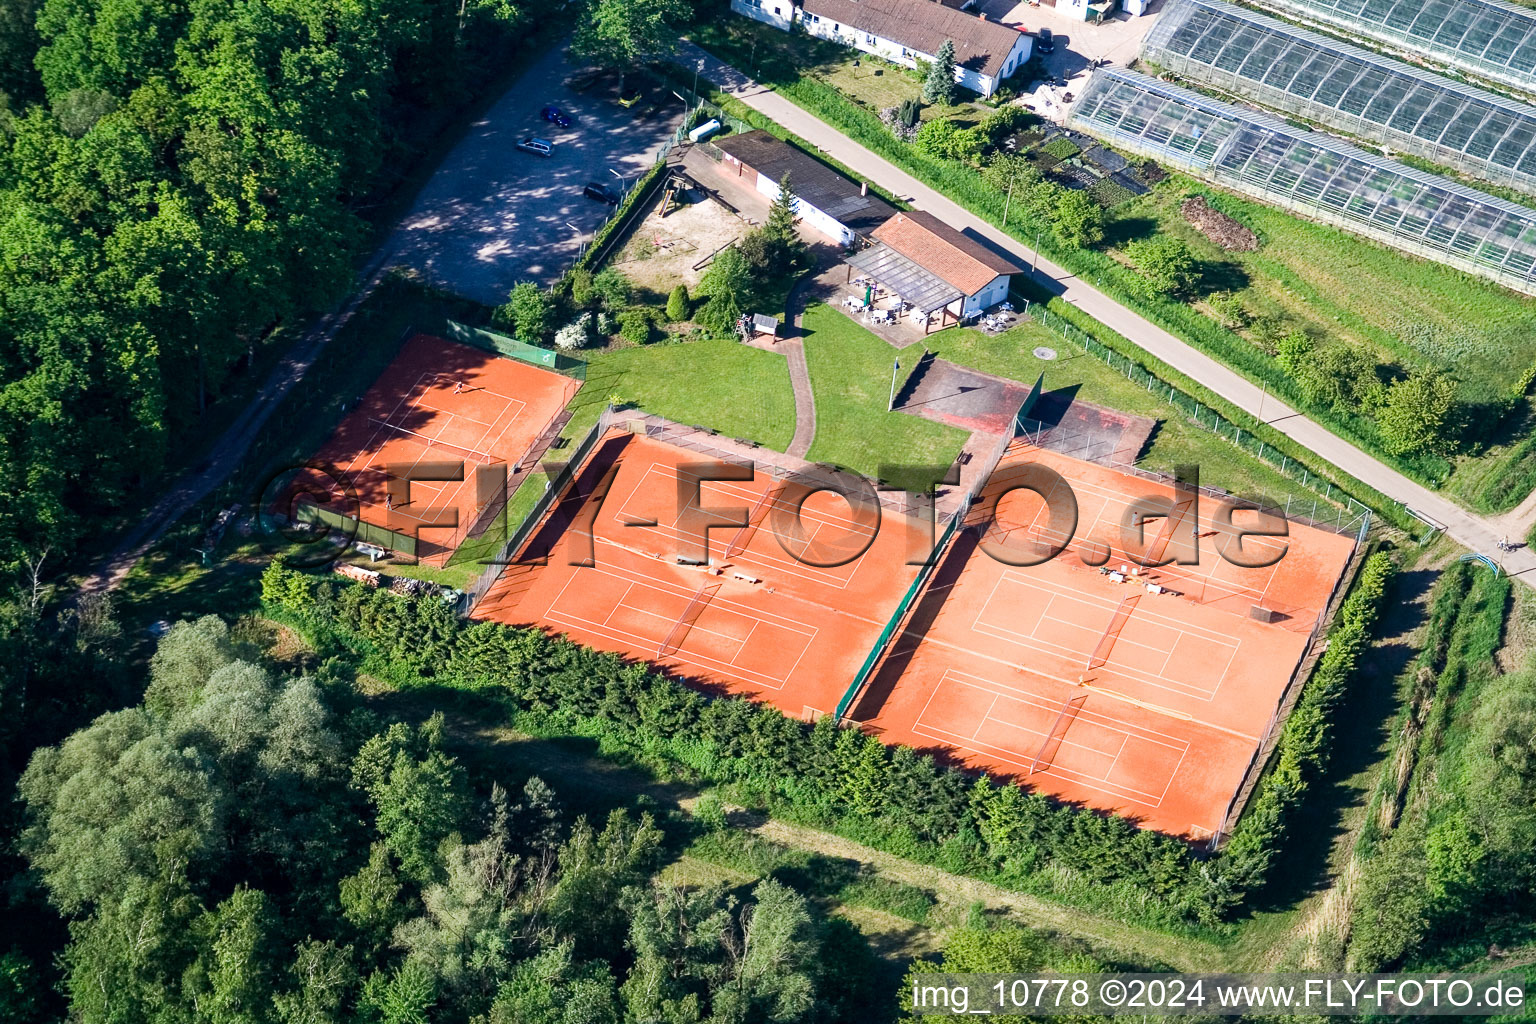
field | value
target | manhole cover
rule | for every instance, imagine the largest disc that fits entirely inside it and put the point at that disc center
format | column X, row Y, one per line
column 1045, row 353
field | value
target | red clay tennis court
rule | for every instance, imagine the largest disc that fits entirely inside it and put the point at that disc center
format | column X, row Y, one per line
column 439, row 402
column 756, row 621
column 1143, row 691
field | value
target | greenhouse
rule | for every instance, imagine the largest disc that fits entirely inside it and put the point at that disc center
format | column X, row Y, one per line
column 1369, row 96
column 1491, row 39
column 1316, row 175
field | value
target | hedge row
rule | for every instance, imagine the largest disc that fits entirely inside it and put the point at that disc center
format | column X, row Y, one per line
column 1301, row 755
column 838, row 779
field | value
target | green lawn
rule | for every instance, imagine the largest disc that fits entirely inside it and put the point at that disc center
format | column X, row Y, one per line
column 771, row 55
column 851, row 374
column 719, row 383
column 1407, row 310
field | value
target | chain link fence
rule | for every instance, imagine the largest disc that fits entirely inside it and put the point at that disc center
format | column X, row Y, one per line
column 1333, row 507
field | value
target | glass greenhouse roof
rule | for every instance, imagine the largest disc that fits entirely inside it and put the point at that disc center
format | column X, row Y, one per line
column 1365, row 94
column 1492, row 39
column 1316, row 175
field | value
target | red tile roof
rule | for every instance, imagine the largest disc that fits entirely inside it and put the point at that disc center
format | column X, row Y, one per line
column 923, row 25
column 944, row 252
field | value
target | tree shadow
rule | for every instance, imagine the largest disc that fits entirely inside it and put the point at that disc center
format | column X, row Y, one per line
column 1363, row 721
column 1120, row 231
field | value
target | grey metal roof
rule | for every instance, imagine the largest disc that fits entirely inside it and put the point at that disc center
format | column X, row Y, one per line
column 905, row 278
column 1488, row 38
column 1317, row 175
column 813, row 181
column 1363, row 93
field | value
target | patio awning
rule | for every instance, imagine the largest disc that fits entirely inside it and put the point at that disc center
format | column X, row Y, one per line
column 905, row 278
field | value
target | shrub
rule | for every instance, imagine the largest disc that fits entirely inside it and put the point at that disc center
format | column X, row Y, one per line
column 574, row 334
column 1416, row 416
column 612, row 288
column 1167, row 265
column 635, row 326
column 944, row 138
column 1292, row 350
column 1229, row 311
column 581, row 287
column 528, row 311
column 678, row 305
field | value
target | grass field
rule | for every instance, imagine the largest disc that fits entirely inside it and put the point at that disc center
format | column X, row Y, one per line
column 874, row 83
column 1407, row 310
column 851, row 374
column 717, row 383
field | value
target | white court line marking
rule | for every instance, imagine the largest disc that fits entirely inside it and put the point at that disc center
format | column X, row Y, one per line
column 620, row 603
column 784, row 565
column 1113, row 499
column 1104, row 721
column 810, row 632
column 986, row 715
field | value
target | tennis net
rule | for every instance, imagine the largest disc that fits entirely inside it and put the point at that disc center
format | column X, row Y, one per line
column 484, row 458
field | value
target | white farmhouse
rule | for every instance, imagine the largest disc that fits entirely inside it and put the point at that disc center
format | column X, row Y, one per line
column 905, row 32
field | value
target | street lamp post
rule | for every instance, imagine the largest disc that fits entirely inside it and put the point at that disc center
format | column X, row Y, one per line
column 895, row 367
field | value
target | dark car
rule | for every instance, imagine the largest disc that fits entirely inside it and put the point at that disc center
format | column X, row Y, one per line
column 602, row 193
column 1047, row 43
column 556, row 116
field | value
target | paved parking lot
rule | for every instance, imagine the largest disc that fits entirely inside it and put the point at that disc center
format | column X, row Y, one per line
column 493, row 215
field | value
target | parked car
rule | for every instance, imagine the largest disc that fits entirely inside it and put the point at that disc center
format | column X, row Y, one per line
column 556, row 116
column 602, row 193
column 1046, row 41
column 538, row 147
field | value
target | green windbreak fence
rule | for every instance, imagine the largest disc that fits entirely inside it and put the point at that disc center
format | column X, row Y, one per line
column 875, row 652
column 502, row 345
column 357, row 529
column 1026, row 410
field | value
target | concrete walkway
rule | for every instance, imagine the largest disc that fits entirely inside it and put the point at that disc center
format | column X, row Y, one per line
column 799, row 374
column 1473, row 531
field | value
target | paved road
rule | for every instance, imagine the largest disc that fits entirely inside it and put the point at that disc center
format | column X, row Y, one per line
column 196, row 485
column 493, row 215
column 1475, row 532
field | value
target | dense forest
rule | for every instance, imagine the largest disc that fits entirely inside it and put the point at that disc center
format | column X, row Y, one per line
column 177, row 178
column 251, row 847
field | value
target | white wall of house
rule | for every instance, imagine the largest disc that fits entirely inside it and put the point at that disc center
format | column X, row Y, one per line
column 767, row 11
column 822, row 222
column 1070, row 8
column 988, row 297
column 779, row 13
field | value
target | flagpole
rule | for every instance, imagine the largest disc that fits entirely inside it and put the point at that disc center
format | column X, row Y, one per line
column 895, row 366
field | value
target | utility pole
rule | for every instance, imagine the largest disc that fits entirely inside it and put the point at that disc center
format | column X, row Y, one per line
column 1007, row 202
